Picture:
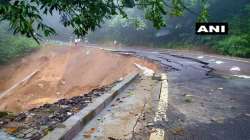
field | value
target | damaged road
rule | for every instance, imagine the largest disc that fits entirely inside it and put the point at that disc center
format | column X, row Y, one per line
column 129, row 115
column 57, row 83
column 208, row 96
column 38, row 122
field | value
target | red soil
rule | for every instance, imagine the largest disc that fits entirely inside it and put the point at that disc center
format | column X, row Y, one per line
column 64, row 72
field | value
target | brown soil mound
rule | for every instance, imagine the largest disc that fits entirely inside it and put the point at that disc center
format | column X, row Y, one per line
column 64, row 72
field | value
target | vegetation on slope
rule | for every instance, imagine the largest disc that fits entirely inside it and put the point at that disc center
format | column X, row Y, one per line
column 237, row 43
column 12, row 47
column 180, row 33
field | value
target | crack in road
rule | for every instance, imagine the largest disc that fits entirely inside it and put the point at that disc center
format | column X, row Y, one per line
column 218, row 107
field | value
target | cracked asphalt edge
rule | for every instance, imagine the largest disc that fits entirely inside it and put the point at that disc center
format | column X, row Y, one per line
column 75, row 123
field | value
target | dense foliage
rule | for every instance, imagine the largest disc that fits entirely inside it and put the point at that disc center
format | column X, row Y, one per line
column 25, row 16
column 180, row 32
column 237, row 43
column 12, row 47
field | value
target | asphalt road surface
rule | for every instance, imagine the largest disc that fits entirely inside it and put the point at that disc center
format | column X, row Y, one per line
column 209, row 96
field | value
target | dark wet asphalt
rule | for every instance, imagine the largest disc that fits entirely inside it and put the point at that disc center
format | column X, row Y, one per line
column 207, row 101
column 219, row 108
column 221, row 64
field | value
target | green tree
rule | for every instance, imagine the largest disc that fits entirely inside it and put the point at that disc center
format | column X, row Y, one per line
column 13, row 47
column 25, row 16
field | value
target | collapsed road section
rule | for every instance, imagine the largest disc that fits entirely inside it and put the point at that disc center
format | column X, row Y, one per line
column 74, row 124
column 206, row 100
column 38, row 122
column 66, row 82
column 55, row 73
column 200, row 102
column 129, row 109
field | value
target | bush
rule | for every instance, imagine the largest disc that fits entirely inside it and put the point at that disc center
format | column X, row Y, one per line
column 15, row 46
column 234, row 46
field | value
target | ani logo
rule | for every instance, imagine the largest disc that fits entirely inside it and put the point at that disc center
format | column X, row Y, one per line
column 211, row 28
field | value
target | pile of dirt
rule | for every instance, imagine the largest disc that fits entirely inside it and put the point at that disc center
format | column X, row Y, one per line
column 63, row 72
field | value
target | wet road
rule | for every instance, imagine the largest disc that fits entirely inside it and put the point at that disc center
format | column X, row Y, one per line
column 223, row 65
column 127, row 115
column 209, row 96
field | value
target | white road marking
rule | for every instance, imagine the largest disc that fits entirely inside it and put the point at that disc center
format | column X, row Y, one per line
column 161, row 115
column 231, row 59
column 219, row 62
column 242, row 76
column 220, row 88
column 214, row 56
column 200, row 57
column 235, row 68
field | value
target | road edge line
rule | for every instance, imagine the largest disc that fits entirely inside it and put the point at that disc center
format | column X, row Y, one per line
column 75, row 123
column 160, row 114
